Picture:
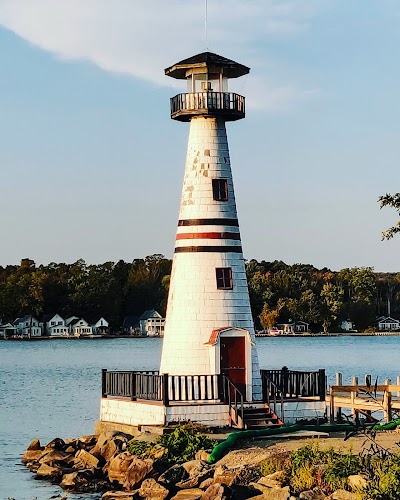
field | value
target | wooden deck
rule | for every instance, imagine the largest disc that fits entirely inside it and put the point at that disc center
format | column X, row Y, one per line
column 366, row 400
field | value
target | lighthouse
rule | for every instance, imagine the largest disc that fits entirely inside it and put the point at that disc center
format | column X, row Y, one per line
column 209, row 371
column 209, row 328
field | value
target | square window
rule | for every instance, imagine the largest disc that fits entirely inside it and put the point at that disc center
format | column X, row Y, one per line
column 224, row 278
column 220, row 189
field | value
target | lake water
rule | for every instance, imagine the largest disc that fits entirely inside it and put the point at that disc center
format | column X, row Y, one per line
column 52, row 388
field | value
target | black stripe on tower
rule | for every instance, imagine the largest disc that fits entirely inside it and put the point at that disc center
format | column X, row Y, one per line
column 219, row 249
column 209, row 222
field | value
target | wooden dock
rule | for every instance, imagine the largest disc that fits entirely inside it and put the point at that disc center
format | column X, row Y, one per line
column 366, row 399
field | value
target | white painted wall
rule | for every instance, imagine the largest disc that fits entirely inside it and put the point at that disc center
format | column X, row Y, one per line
column 195, row 306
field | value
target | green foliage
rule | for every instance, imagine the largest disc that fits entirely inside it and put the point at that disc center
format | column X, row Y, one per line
column 383, row 478
column 179, row 446
column 393, row 201
column 112, row 290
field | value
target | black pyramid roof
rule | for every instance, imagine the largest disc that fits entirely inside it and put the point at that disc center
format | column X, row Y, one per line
column 230, row 68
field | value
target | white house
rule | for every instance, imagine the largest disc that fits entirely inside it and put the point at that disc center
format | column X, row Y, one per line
column 388, row 324
column 101, row 327
column 7, row 330
column 151, row 323
column 80, row 327
column 56, row 326
column 28, row 326
column 301, row 327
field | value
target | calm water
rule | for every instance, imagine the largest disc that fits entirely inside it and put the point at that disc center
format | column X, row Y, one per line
column 52, row 388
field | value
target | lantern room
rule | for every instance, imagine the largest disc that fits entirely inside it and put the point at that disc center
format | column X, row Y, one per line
column 207, row 76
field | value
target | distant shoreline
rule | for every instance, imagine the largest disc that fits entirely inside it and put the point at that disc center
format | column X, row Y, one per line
column 296, row 335
column 82, row 337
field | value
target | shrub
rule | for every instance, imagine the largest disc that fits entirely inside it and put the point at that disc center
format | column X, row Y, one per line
column 179, row 446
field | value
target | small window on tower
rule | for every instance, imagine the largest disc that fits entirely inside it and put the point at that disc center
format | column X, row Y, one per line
column 224, row 278
column 220, row 189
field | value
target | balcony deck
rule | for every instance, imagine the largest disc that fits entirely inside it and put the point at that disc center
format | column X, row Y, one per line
column 226, row 105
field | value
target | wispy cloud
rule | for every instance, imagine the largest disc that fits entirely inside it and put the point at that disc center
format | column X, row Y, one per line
column 139, row 38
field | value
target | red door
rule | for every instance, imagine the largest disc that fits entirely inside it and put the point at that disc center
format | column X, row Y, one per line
column 233, row 361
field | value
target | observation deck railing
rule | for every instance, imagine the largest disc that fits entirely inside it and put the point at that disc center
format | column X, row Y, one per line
column 227, row 105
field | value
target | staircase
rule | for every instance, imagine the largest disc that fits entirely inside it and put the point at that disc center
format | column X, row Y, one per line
column 260, row 418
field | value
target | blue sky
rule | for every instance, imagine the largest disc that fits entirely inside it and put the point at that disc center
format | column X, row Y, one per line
column 92, row 165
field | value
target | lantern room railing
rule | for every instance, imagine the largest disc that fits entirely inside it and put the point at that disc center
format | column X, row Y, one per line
column 227, row 105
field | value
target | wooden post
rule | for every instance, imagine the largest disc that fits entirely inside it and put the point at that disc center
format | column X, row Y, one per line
column 353, row 395
column 387, row 405
column 133, row 386
column 321, row 385
column 332, row 405
column 339, row 381
column 398, row 383
column 368, row 380
column 165, row 387
column 103, row 383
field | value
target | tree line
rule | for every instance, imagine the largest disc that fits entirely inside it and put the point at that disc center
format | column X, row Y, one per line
column 278, row 292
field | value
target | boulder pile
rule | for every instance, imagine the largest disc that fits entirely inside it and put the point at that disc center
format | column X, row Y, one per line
column 104, row 464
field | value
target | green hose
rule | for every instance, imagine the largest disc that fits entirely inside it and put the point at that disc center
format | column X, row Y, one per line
column 222, row 448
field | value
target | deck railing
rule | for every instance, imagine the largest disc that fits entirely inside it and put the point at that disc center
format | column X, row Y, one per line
column 226, row 103
column 293, row 384
column 152, row 386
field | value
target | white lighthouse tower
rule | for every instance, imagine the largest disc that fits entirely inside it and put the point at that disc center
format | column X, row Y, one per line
column 209, row 370
column 209, row 327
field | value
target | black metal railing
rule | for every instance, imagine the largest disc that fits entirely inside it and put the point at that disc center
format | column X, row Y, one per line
column 273, row 396
column 155, row 387
column 234, row 398
column 204, row 102
column 293, row 384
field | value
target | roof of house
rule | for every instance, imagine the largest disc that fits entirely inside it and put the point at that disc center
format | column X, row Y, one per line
column 151, row 313
column 388, row 319
column 231, row 68
column 130, row 322
column 24, row 319
column 69, row 320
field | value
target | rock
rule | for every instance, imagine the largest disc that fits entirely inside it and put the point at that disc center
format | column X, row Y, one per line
column 247, row 474
column 48, row 472
column 70, row 449
column 194, row 494
column 199, row 472
column 56, row 444
column 35, row 445
column 87, row 459
column 137, row 471
column 119, row 495
column 270, row 483
column 225, row 475
column 33, row 456
column 315, row 494
column 193, row 464
column 202, row 455
column 342, row 495
column 357, row 482
column 54, row 456
column 206, row 483
column 118, row 467
column 274, row 494
column 151, row 490
column 76, row 480
column 173, row 475
column 110, row 443
column 216, row 491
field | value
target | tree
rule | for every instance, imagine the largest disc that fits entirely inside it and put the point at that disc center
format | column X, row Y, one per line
column 331, row 304
column 393, row 201
column 268, row 316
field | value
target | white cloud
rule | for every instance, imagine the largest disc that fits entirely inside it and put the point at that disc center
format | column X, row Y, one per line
column 140, row 38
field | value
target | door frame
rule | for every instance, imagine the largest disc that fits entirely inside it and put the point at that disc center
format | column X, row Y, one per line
column 215, row 353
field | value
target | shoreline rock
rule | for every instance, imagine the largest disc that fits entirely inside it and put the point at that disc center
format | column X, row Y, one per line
column 103, row 464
